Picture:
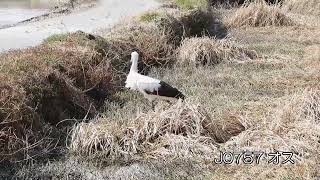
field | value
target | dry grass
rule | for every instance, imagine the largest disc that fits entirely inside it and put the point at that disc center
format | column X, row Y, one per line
column 70, row 76
column 81, row 169
column 210, row 51
column 157, row 37
column 312, row 54
column 183, row 130
column 191, row 23
column 298, row 113
column 308, row 7
column 269, row 104
column 278, row 42
column 260, row 91
column 152, row 44
column 42, row 86
column 259, row 14
column 293, row 127
column 198, row 23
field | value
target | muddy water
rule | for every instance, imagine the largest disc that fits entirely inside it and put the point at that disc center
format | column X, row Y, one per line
column 13, row 11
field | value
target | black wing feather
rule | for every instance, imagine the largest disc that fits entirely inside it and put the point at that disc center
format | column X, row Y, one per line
column 167, row 91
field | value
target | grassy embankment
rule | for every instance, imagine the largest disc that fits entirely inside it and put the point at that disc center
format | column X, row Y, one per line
column 255, row 89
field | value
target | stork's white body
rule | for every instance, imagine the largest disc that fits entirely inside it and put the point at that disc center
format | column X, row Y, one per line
column 148, row 86
column 141, row 83
column 136, row 81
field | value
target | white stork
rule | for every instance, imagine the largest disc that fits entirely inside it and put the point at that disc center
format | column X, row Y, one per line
column 151, row 88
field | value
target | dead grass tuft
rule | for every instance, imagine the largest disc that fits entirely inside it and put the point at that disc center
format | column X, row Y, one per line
column 299, row 125
column 191, row 23
column 303, row 108
column 177, row 146
column 209, row 51
column 259, row 14
column 178, row 25
column 309, row 7
column 184, row 129
column 151, row 43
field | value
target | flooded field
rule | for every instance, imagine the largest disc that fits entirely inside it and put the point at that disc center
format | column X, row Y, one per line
column 13, row 11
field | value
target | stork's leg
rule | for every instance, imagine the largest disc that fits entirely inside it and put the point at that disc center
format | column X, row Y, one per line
column 150, row 99
column 153, row 104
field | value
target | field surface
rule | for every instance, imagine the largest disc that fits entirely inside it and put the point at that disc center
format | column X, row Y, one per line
column 250, row 72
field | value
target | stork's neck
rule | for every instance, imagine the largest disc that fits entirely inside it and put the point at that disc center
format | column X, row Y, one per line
column 134, row 65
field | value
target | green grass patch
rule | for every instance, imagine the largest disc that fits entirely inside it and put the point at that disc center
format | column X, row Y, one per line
column 149, row 16
column 192, row 4
column 56, row 38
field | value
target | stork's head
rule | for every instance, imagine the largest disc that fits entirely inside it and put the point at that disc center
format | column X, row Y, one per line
column 134, row 56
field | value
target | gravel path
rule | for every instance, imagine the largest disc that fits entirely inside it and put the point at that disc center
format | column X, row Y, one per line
column 104, row 15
